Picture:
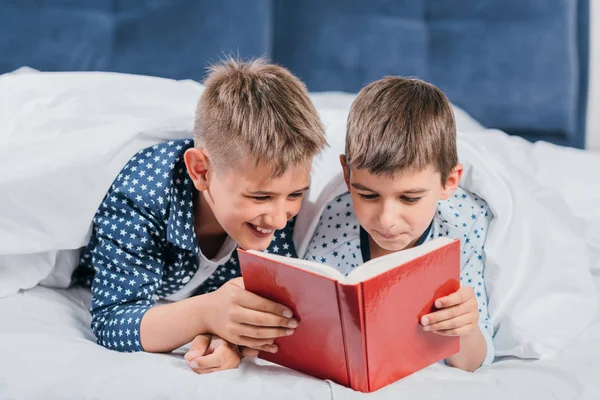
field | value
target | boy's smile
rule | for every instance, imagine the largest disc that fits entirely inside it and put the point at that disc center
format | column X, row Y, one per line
column 246, row 203
column 261, row 232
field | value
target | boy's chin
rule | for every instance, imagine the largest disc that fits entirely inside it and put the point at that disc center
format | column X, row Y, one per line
column 258, row 245
column 392, row 247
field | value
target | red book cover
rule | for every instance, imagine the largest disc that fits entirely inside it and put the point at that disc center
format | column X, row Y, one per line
column 361, row 331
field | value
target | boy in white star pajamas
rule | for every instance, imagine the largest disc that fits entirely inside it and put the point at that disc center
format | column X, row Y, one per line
column 402, row 173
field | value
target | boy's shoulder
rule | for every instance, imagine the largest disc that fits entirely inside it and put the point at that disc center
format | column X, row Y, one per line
column 150, row 201
column 151, row 171
column 340, row 207
column 154, row 186
column 151, row 161
column 462, row 214
column 338, row 217
column 337, row 227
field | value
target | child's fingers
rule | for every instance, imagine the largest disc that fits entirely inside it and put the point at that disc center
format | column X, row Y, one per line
column 262, row 333
column 248, row 352
column 249, row 300
column 269, row 348
column 251, row 342
column 200, row 342
column 445, row 314
column 198, row 347
column 190, row 355
column 460, row 296
column 463, row 330
column 259, row 318
column 206, row 362
column 231, row 364
column 216, row 359
column 453, row 323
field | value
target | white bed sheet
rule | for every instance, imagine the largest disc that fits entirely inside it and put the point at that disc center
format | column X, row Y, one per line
column 47, row 352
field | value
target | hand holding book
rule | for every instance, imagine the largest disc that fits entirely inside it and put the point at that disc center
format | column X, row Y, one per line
column 457, row 314
column 246, row 319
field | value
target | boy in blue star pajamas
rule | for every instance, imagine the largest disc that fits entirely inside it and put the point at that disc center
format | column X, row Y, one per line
column 171, row 221
column 402, row 173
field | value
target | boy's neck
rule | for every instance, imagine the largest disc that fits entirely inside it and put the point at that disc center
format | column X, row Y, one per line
column 209, row 233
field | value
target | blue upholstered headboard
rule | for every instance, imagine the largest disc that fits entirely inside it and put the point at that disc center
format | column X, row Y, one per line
column 517, row 65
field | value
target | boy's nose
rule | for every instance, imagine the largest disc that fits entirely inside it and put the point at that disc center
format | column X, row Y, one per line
column 277, row 220
column 387, row 219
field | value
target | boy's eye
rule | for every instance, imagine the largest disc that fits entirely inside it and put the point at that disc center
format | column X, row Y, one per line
column 260, row 198
column 411, row 200
column 296, row 195
column 368, row 196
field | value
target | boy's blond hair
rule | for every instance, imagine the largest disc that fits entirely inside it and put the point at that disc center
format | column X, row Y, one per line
column 397, row 124
column 258, row 112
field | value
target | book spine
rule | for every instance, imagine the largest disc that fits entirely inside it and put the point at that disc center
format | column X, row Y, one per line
column 350, row 300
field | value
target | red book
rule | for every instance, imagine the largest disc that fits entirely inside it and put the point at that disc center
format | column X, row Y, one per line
column 361, row 330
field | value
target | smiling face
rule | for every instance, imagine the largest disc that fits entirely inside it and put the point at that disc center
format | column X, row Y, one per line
column 395, row 210
column 247, row 203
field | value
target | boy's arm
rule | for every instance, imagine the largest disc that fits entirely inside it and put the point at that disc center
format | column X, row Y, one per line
column 457, row 316
column 472, row 274
column 231, row 312
column 465, row 313
column 127, row 252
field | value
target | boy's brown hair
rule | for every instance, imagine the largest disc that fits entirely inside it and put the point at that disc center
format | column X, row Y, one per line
column 258, row 112
column 397, row 124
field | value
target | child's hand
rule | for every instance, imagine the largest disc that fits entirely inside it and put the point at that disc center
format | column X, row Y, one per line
column 457, row 316
column 210, row 353
column 250, row 352
column 245, row 319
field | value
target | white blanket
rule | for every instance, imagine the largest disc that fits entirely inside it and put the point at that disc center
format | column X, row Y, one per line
column 47, row 352
column 65, row 136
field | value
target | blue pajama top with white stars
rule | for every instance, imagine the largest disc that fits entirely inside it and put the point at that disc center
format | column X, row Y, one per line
column 144, row 248
column 339, row 241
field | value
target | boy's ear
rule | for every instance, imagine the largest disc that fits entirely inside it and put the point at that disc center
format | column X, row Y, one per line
column 452, row 182
column 197, row 164
column 346, row 170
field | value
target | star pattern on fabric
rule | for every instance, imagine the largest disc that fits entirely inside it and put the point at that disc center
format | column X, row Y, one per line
column 465, row 216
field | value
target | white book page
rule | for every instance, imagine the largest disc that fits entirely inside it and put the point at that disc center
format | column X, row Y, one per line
column 380, row 265
column 310, row 266
column 365, row 271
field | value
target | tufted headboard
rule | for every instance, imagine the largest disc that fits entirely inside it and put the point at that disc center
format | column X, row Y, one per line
column 517, row 65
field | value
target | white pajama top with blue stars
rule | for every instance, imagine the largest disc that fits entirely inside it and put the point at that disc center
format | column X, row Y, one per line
column 144, row 247
column 339, row 241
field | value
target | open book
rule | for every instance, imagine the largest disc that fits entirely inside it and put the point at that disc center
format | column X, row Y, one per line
column 361, row 330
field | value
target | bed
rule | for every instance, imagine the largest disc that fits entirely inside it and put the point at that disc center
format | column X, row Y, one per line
column 65, row 135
